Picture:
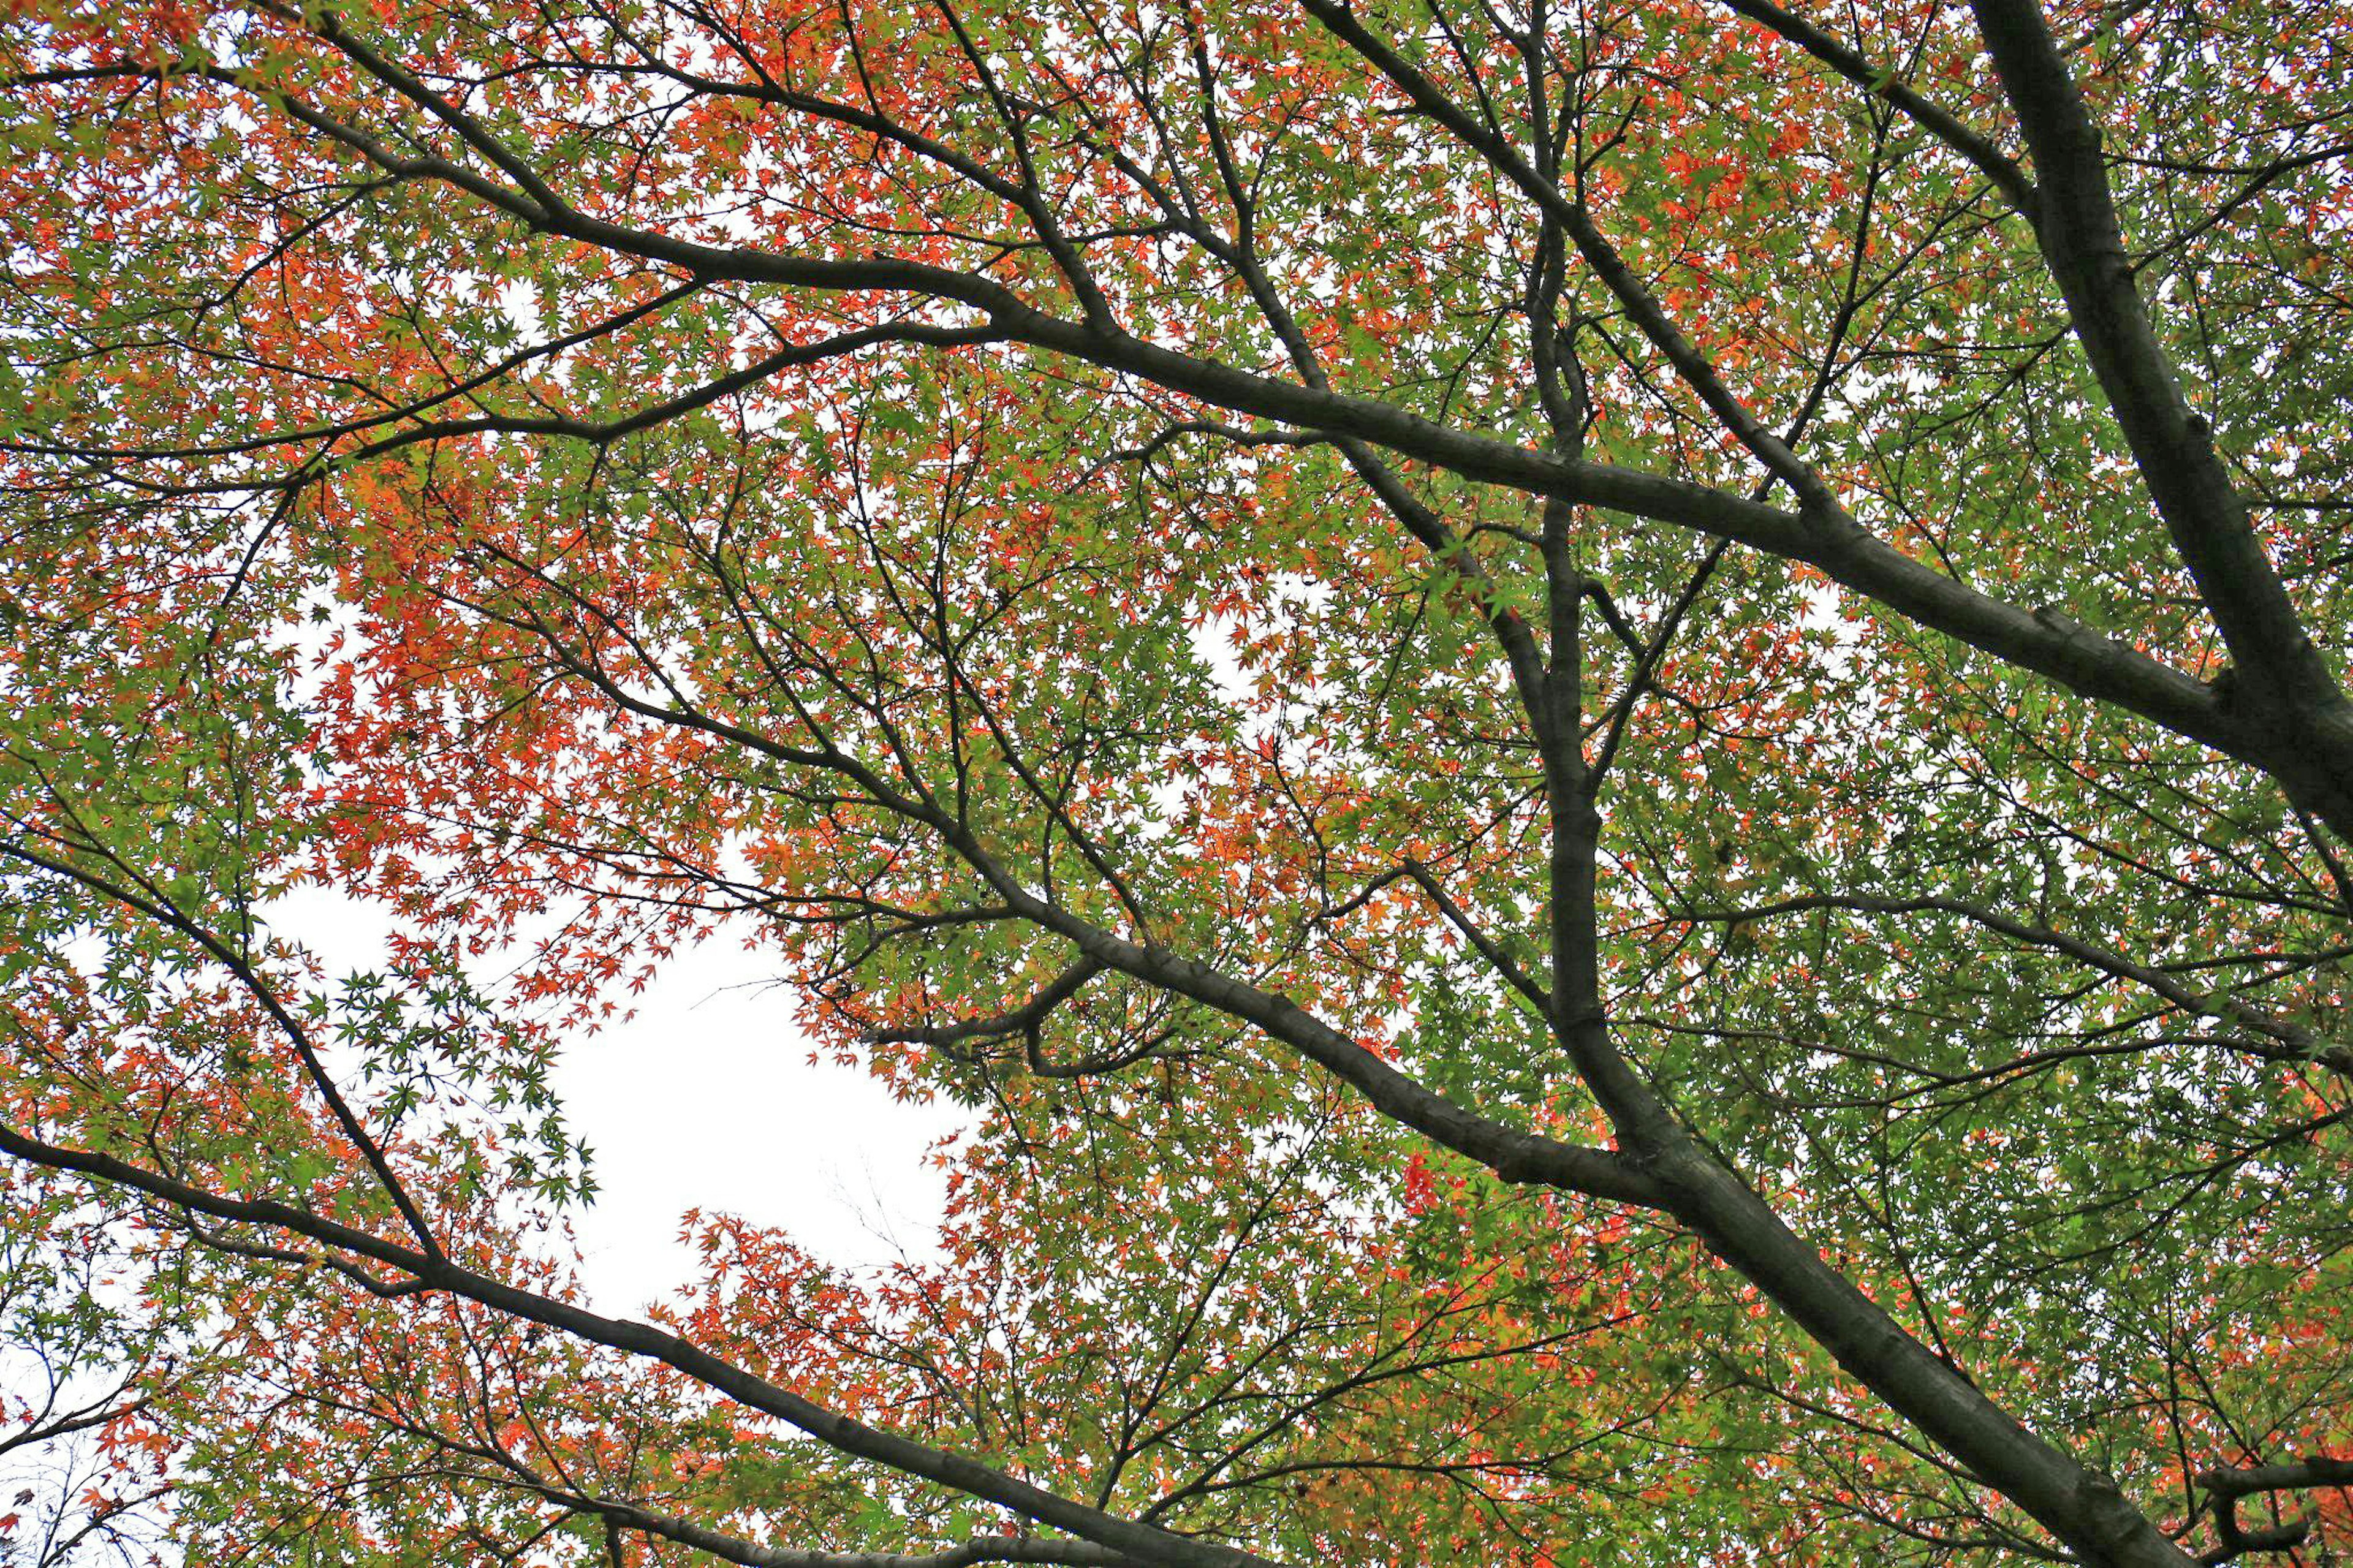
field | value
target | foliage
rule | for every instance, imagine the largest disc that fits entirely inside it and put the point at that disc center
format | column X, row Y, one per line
column 1603, row 739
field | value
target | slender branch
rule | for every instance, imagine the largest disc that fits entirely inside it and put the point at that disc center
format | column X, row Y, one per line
column 1023, row 1020
column 2101, row 667
column 166, row 915
column 1988, row 159
column 2301, row 1043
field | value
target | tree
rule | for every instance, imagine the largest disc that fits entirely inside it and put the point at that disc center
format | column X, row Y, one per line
column 1604, row 737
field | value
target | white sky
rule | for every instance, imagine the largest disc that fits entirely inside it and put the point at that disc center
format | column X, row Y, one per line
column 706, row 1099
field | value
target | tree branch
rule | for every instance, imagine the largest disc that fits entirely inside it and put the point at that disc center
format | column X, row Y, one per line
column 942, row 1466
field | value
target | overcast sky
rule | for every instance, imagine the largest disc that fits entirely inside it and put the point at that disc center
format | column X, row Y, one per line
column 707, row 1098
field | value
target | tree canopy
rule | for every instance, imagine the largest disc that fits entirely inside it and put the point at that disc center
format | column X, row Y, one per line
column 1603, row 738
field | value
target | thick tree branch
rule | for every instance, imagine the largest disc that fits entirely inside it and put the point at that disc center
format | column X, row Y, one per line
column 2226, row 1485
column 2281, row 677
column 2288, row 1475
column 978, row 1550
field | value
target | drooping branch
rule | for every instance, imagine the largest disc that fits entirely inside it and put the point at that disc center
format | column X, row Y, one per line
column 1485, row 945
column 151, row 903
column 1027, row 1022
column 946, row 1467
